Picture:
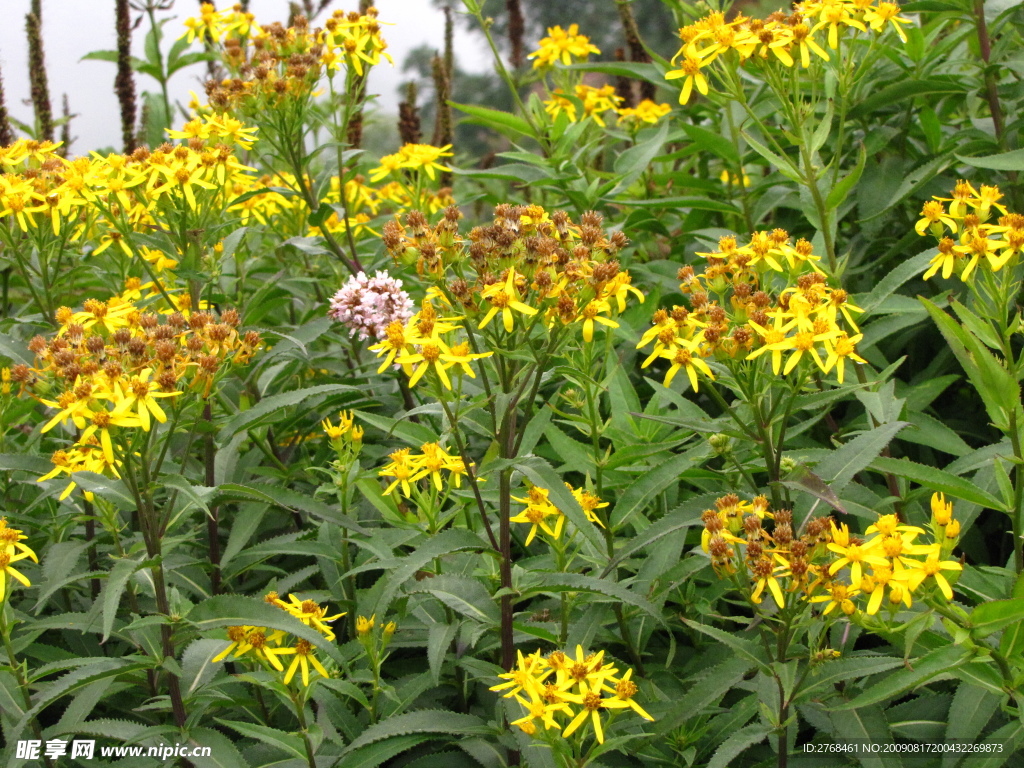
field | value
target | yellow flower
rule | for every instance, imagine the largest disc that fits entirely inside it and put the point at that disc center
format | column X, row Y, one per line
column 364, row 625
column 691, row 70
column 253, row 640
column 504, row 297
column 933, row 567
column 537, row 511
column 942, row 511
column 855, row 555
column 310, row 613
column 428, row 357
column 402, row 468
column 561, row 46
column 686, row 357
column 140, row 393
column 646, row 111
column 591, row 314
column 413, row 157
column 303, row 651
column 839, row 349
column 883, row 13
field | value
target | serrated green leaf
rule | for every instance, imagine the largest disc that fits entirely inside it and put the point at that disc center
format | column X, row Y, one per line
column 373, row 755
column 993, row 616
column 839, row 467
column 223, row 753
column 1004, row 161
column 738, row 741
column 575, row 582
column 289, row 743
column 674, row 521
column 293, row 501
column 271, row 404
column 400, row 570
column 941, row 660
column 422, row 721
column 462, row 594
column 649, row 484
column 745, row 648
column 113, row 590
column 937, row 480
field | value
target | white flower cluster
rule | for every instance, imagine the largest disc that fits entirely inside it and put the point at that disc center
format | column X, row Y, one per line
column 368, row 304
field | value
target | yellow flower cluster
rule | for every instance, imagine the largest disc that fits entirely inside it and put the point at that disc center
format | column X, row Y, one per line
column 354, row 39
column 562, row 46
column 273, row 65
column 544, row 516
column 825, row 563
column 11, row 551
column 596, row 101
column 267, row 646
column 102, row 198
column 780, row 37
column 216, row 26
column 558, row 687
column 345, row 431
column 977, row 239
column 413, row 157
column 109, row 365
column 528, row 265
column 733, row 316
column 407, row 468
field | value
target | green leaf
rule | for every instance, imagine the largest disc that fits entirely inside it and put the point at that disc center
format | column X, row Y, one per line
column 197, row 666
column 400, row 570
column 113, row 591
column 274, row 403
column 422, row 721
column 575, row 582
column 631, row 164
column 969, row 713
column 1004, row 161
column 638, row 70
column 712, row 142
column 439, row 641
column 674, row 521
column 745, row 648
column 937, row 480
column 649, row 484
column 738, row 741
column 289, row 743
column 223, row 752
column 293, row 501
column 503, row 122
column 940, row 661
column 993, row 616
column 462, row 594
column 904, row 89
column 705, row 692
column 782, row 164
column 802, row 479
column 373, row 755
column 999, row 390
column 680, row 203
column 239, row 610
column 847, row 669
column 839, row 467
column 848, row 182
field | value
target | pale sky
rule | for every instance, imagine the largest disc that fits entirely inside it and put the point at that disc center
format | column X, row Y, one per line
column 72, row 28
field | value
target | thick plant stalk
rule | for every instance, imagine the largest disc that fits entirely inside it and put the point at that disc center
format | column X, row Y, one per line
column 409, row 117
column 516, row 31
column 37, row 72
column 6, row 133
column 637, row 52
column 124, row 82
